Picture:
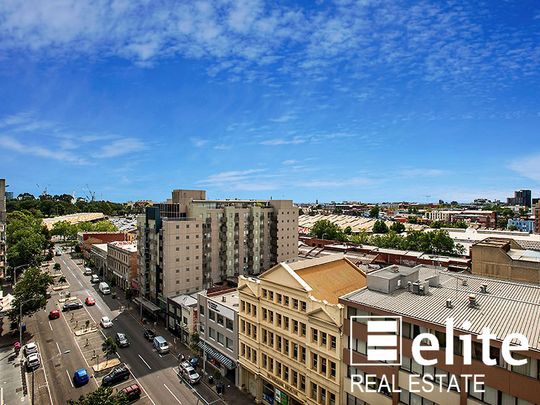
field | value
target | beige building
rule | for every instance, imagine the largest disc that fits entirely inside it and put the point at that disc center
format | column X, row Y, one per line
column 290, row 330
column 122, row 264
column 505, row 259
column 189, row 243
column 2, row 227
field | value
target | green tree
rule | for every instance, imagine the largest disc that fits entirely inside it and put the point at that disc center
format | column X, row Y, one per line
column 397, row 227
column 57, row 267
column 324, row 229
column 30, row 292
column 64, row 229
column 513, row 228
column 26, row 239
column 102, row 396
column 374, row 212
column 347, row 230
column 109, row 347
column 380, row 227
column 411, row 219
column 361, row 238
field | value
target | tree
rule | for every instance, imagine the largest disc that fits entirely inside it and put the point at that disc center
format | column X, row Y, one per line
column 57, row 267
column 411, row 219
column 194, row 340
column 102, row 396
column 26, row 239
column 324, row 229
column 397, row 227
column 513, row 228
column 347, row 230
column 380, row 227
column 64, row 229
column 109, row 347
column 30, row 292
column 374, row 212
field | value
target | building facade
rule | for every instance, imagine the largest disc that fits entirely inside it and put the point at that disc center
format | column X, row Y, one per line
column 3, row 220
column 424, row 307
column 290, row 331
column 182, row 317
column 190, row 243
column 218, row 330
column 523, row 225
column 522, row 198
column 537, row 218
column 505, row 259
column 122, row 265
column 97, row 256
column 487, row 219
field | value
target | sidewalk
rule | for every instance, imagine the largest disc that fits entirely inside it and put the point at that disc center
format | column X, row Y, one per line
column 233, row 395
column 12, row 373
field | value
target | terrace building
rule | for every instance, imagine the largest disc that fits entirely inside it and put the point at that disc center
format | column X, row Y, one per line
column 425, row 298
column 290, row 330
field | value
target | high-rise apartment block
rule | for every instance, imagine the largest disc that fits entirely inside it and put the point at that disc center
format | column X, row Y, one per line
column 521, row 197
column 189, row 243
column 2, row 227
column 537, row 218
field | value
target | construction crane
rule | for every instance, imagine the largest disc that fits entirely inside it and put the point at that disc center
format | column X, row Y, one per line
column 91, row 196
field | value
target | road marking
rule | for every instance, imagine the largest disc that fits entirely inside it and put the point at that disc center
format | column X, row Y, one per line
column 47, row 382
column 149, row 368
column 50, row 326
column 175, row 397
column 140, row 385
column 59, row 351
column 69, row 378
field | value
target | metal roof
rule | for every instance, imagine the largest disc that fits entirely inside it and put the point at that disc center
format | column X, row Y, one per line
column 507, row 307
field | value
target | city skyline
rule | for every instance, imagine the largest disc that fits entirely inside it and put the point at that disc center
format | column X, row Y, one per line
column 304, row 101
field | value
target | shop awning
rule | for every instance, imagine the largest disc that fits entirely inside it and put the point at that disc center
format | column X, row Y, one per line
column 214, row 354
column 150, row 306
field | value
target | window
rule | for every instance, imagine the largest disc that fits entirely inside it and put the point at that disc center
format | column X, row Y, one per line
column 212, row 333
column 303, row 329
column 211, row 315
column 323, row 366
column 229, row 324
column 315, row 361
column 295, row 303
column 303, row 354
column 332, row 369
column 265, row 293
column 286, row 301
column 314, row 335
column 323, row 338
column 229, row 343
column 314, row 391
column 332, row 342
column 278, row 298
column 295, row 326
column 295, row 351
column 220, row 319
column 303, row 306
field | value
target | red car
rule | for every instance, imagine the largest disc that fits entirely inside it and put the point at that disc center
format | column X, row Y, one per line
column 89, row 301
column 54, row 314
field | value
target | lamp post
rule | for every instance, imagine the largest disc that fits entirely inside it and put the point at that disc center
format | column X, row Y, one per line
column 15, row 273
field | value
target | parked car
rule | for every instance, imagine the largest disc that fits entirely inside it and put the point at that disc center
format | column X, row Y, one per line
column 70, row 306
column 132, row 392
column 149, row 334
column 54, row 314
column 106, row 322
column 118, row 374
column 94, row 278
column 80, row 377
column 161, row 345
column 33, row 362
column 189, row 373
column 58, row 253
column 87, row 271
column 122, row 340
column 90, row 301
column 104, row 288
column 30, row 348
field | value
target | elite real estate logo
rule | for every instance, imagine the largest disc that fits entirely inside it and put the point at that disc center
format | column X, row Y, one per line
column 384, row 348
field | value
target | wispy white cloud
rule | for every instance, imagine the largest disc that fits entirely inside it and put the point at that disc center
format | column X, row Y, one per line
column 419, row 172
column 120, row 147
column 528, row 166
column 15, row 145
column 284, row 118
column 199, row 142
column 283, row 141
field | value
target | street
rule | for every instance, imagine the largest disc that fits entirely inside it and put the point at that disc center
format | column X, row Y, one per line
column 74, row 341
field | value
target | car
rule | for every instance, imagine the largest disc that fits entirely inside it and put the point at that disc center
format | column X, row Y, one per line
column 30, row 348
column 149, row 334
column 119, row 373
column 122, row 340
column 132, row 392
column 80, row 377
column 189, row 373
column 58, row 253
column 94, row 278
column 161, row 345
column 54, row 314
column 70, row 306
column 33, row 362
column 87, row 271
column 90, row 301
column 106, row 322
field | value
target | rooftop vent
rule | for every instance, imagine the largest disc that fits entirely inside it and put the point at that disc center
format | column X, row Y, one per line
column 395, row 269
column 473, row 303
column 223, row 299
column 420, row 288
column 483, row 288
column 449, row 304
column 465, row 283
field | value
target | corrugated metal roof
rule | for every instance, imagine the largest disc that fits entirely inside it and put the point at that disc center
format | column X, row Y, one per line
column 508, row 307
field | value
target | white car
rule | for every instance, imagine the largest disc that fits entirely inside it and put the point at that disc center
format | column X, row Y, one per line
column 30, row 348
column 187, row 370
column 33, row 362
column 106, row 322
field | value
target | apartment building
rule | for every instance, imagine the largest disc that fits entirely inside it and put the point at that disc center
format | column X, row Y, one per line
column 190, row 243
column 487, row 219
column 536, row 213
column 290, row 330
column 505, row 259
column 218, row 330
column 122, row 264
column 521, row 224
column 3, row 219
column 522, row 198
column 425, row 298
column 182, row 316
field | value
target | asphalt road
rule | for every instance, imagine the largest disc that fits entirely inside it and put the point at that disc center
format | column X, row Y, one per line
column 63, row 353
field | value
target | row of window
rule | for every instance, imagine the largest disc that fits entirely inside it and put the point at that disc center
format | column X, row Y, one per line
column 283, row 345
column 218, row 318
column 284, row 300
column 248, row 329
column 322, row 395
column 248, row 308
column 283, row 372
column 248, row 353
column 219, row 337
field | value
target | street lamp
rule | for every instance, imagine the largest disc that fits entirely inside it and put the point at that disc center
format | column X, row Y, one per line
column 15, row 273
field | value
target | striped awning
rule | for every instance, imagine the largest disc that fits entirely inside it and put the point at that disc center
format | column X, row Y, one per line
column 216, row 355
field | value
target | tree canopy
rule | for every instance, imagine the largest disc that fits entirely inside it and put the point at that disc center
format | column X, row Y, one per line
column 374, row 212
column 26, row 239
column 397, row 227
column 69, row 231
column 324, row 229
column 380, row 227
column 31, row 292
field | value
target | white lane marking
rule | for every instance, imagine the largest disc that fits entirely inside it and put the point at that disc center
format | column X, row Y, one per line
column 149, row 368
column 69, row 378
column 47, row 383
column 175, row 397
column 140, row 385
column 50, row 326
column 59, row 351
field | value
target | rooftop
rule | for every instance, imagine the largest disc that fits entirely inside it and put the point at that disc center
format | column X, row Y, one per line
column 227, row 298
column 184, row 300
column 128, row 246
column 506, row 307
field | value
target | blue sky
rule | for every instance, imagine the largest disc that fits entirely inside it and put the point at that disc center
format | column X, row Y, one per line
column 329, row 100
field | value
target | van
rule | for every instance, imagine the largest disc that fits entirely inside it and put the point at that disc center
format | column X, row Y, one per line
column 161, row 345
column 104, row 288
column 94, row 278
